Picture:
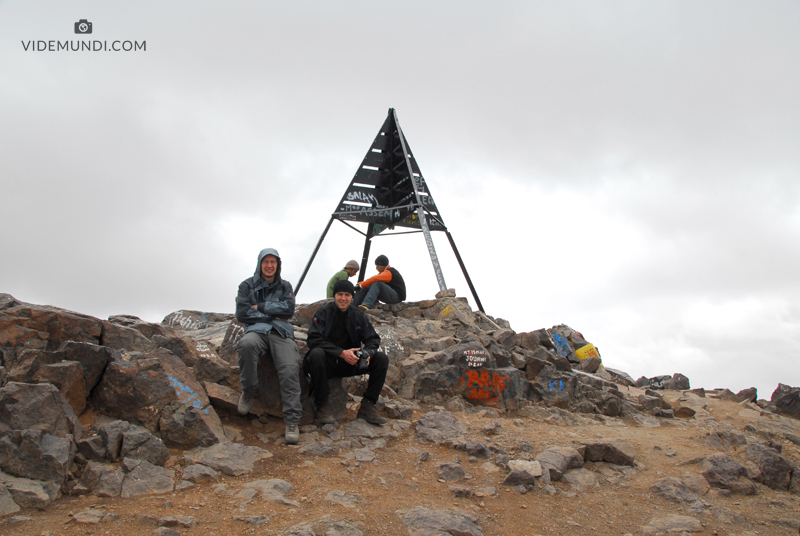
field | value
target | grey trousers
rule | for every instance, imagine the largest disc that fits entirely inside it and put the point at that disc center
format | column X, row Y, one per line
column 287, row 360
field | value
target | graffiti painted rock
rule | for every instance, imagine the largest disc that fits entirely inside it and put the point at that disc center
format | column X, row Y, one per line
column 140, row 391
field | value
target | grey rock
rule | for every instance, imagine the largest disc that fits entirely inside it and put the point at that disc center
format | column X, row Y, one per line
column 139, row 443
column 673, row 489
column 253, row 521
column 40, row 406
column 460, row 492
column 776, row 471
column 343, row 528
column 199, row 473
column 29, row 493
column 438, row 426
column 725, row 439
column 519, row 478
column 274, row 490
column 186, row 522
column 787, row 400
column 90, row 516
column 68, row 377
column 343, row 498
column 92, row 448
column 581, row 479
column 93, row 359
column 450, row 472
column 317, row 448
column 423, row 521
column 232, row 459
column 166, row 531
column 7, row 504
column 725, row 473
column 303, row 529
column 37, row 455
column 672, row 524
column 104, row 480
column 557, row 460
column 147, row 479
column 616, row 451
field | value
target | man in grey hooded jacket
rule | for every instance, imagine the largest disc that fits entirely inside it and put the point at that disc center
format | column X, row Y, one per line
column 265, row 303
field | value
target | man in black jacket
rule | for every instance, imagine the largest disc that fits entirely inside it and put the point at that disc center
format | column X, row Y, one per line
column 337, row 333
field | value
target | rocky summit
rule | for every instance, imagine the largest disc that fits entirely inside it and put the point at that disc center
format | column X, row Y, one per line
column 125, row 426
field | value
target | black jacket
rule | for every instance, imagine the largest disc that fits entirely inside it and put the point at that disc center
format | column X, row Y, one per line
column 358, row 327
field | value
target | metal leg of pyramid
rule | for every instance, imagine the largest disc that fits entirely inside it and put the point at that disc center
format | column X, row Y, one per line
column 314, row 254
column 431, row 250
column 464, row 271
column 365, row 256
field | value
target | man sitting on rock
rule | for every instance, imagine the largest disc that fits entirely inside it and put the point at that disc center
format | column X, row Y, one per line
column 265, row 303
column 335, row 339
column 350, row 269
column 387, row 286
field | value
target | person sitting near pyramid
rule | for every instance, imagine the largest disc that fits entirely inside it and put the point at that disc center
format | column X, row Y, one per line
column 338, row 338
column 350, row 269
column 387, row 286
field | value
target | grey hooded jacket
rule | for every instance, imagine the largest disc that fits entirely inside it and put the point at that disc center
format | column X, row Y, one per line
column 274, row 301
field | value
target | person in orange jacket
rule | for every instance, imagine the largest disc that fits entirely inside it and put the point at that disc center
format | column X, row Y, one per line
column 387, row 286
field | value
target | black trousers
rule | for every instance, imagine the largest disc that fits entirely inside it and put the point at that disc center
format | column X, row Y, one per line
column 321, row 367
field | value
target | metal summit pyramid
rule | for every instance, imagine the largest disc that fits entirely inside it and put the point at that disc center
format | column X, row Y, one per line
column 389, row 191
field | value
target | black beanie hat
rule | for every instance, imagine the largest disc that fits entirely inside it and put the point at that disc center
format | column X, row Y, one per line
column 382, row 260
column 343, row 286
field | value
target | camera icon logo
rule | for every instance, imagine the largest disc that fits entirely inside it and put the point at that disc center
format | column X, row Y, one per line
column 83, row 26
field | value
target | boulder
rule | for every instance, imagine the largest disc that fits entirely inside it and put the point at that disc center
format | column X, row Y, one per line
column 103, row 479
column 425, row 521
column 36, row 454
column 787, row 400
column 161, row 394
column 40, row 406
column 120, row 337
column 68, row 377
column 725, row 473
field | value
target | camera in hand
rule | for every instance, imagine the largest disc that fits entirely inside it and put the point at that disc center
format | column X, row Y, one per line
column 363, row 355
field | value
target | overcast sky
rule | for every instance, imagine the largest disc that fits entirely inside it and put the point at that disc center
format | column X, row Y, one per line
column 630, row 169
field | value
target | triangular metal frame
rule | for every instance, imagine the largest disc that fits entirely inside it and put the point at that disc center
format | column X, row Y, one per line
column 389, row 191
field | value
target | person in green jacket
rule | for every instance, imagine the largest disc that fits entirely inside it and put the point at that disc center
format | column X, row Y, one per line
column 350, row 269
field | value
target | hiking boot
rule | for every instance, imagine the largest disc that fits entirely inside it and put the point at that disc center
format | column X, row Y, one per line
column 292, row 434
column 363, row 307
column 369, row 412
column 245, row 403
column 325, row 412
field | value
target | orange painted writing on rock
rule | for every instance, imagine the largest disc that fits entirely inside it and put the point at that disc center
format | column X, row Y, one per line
column 484, row 386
